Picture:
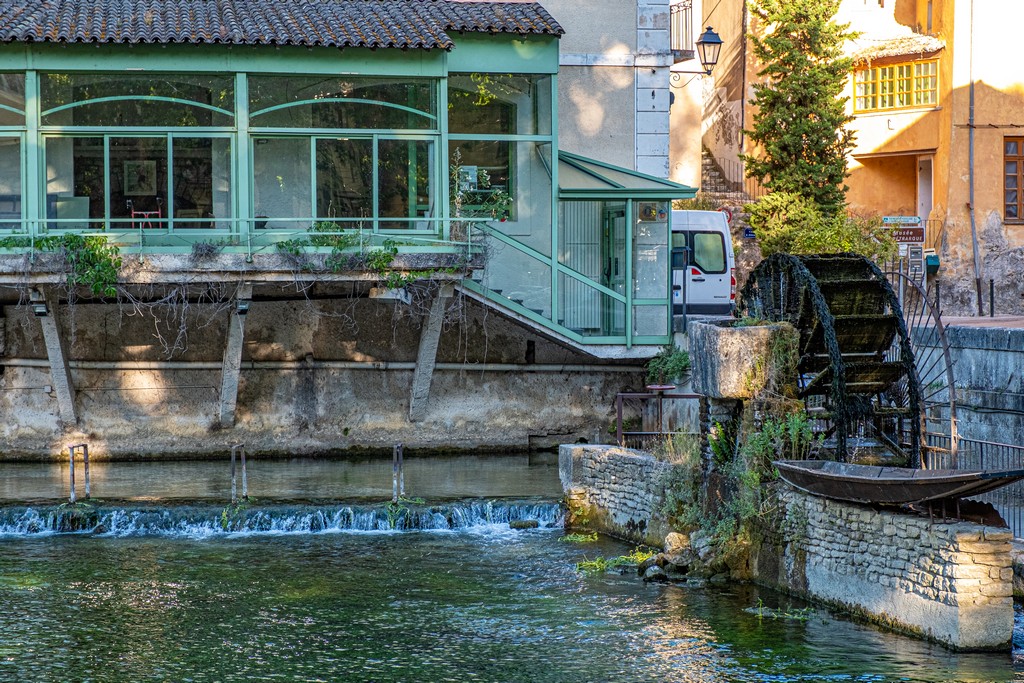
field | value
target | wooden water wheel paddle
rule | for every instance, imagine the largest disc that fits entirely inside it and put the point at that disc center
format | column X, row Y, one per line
column 856, row 361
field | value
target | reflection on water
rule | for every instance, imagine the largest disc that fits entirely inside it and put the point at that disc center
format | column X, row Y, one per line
column 438, row 477
column 486, row 604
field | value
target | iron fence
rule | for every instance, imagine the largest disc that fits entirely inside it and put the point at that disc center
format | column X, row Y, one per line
column 641, row 420
column 973, row 454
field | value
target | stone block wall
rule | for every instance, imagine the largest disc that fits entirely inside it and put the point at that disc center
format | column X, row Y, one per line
column 618, row 491
column 948, row 581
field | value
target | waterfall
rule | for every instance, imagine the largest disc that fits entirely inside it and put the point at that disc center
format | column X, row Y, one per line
column 201, row 521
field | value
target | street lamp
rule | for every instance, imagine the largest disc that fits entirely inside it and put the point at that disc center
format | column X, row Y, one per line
column 709, row 45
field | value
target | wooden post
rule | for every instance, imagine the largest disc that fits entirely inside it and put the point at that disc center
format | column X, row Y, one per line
column 71, row 463
column 85, row 460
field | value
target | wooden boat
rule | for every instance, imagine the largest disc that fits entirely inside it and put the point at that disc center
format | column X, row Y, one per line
column 889, row 485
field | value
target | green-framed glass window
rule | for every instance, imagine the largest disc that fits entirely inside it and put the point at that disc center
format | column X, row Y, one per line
column 11, row 206
column 343, row 102
column 151, row 100
column 352, row 181
column 173, row 181
column 499, row 104
column 896, row 86
column 483, row 177
column 12, row 99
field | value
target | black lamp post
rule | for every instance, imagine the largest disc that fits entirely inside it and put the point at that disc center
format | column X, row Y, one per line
column 709, row 46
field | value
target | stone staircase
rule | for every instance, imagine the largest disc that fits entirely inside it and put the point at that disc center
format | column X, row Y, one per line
column 716, row 189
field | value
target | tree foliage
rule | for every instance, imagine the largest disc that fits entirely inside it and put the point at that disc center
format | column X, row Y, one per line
column 789, row 223
column 800, row 119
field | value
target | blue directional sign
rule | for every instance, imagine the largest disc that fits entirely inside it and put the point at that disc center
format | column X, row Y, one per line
column 748, row 233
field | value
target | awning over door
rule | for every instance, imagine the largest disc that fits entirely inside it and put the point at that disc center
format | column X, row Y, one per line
column 583, row 178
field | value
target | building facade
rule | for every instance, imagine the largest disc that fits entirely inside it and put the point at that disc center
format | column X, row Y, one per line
column 262, row 157
column 935, row 107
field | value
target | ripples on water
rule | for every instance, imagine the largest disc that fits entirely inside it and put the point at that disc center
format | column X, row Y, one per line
column 478, row 604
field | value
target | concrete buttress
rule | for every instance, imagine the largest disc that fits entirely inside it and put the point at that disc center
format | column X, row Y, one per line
column 426, row 358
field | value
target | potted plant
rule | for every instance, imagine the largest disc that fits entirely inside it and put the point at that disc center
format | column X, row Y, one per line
column 670, row 366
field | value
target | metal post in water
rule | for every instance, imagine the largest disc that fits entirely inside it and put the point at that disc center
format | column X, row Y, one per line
column 85, row 460
column 71, row 462
column 401, row 470
column 991, row 298
column 234, row 480
column 394, row 475
column 245, row 478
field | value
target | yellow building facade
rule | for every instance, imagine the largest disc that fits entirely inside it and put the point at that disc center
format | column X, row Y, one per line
column 938, row 115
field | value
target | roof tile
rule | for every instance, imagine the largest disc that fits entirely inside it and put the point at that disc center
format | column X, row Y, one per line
column 405, row 24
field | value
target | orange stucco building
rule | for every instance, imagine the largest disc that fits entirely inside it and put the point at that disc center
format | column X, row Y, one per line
column 938, row 113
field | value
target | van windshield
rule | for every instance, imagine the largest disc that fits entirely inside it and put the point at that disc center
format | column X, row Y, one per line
column 709, row 252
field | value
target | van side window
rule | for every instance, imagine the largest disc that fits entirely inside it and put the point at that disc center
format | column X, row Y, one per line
column 709, row 251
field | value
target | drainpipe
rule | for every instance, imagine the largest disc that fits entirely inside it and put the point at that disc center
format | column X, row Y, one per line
column 975, row 247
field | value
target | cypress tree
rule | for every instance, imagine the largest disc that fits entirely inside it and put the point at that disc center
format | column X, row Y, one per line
column 800, row 118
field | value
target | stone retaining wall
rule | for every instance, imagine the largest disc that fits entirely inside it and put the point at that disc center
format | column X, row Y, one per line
column 950, row 582
column 618, row 491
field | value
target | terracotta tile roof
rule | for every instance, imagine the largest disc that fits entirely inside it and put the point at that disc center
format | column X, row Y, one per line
column 405, row 24
column 902, row 46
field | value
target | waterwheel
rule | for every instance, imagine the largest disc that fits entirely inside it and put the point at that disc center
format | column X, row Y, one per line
column 856, row 372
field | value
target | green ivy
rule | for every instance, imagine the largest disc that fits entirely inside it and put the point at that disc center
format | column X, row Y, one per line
column 93, row 262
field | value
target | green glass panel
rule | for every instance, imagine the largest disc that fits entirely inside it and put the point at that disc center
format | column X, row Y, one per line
column 12, row 94
column 320, row 102
column 651, row 252
column 588, row 311
column 75, row 177
column 133, row 103
column 138, row 180
column 650, row 320
column 404, row 173
column 10, row 183
column 344, row 177
column 201, row 182
column 282, row 179
column 499, row 104
column 485, row 176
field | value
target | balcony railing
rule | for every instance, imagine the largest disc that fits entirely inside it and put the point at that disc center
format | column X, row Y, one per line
column 681, row 30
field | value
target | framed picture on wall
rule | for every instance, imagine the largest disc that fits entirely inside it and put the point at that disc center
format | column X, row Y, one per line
column 140, row 178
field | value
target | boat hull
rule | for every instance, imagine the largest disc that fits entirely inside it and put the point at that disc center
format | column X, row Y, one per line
column 876, row 485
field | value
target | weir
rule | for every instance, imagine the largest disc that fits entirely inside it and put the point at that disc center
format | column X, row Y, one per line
column 200, row 521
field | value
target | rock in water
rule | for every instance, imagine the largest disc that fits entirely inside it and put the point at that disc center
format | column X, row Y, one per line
column 524, row 524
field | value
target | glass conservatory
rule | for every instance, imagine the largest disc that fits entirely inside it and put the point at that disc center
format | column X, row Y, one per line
column 159, row 147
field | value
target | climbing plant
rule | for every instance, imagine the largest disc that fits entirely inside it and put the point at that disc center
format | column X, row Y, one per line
column 89, row 261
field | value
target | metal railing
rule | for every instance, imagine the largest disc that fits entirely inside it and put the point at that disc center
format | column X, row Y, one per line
column 625, row 433
column 681, row 27
column 974, row 454
column 733, row 172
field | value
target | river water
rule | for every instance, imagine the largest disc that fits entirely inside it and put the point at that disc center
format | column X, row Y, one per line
column 174, row 595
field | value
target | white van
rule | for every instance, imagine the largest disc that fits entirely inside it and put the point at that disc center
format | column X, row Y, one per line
column 703, row 264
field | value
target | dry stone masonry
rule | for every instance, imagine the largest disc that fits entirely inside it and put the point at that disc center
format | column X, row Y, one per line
column 948, row 581
column 616, row 490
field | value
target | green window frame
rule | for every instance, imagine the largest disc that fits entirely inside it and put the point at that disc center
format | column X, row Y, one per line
column 1013, row 179
column 138, row 181
column 896, row 86
column 308, row 172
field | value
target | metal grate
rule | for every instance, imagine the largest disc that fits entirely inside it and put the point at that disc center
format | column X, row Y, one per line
column 972, row 454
